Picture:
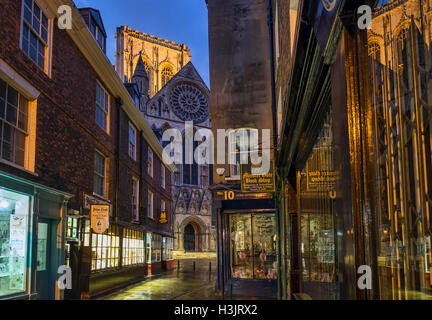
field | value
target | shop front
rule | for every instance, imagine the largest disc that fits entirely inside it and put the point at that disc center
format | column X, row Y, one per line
column 247, row 241
column 31, row 221
column 359, row 185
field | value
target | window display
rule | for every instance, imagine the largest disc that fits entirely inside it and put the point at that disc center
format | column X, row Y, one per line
column 14, row 224
column 133, row 247
column 106, row 249
column 253, row 246
column 154, row 247
column 168, row 246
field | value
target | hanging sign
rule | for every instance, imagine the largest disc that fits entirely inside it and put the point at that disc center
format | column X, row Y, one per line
column 163, row 217
column 257, row 183
column 99, row 217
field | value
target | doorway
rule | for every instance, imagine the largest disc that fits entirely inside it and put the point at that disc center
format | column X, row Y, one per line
column 44, row 287
column 189, row 238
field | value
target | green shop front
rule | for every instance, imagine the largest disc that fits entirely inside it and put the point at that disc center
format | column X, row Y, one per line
column 31, row 239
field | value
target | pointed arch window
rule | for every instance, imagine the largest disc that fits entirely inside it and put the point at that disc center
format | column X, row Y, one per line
column 167, row 74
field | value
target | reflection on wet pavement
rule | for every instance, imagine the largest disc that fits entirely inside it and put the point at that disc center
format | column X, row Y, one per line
column 184, row 283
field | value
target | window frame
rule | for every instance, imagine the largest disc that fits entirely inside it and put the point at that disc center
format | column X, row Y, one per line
column 104, row 177
column 135, row 199
column 14, row 127
column 132, row 144
column 47, row 44
column 163, row 176
column 150, row 205
column 150, row 162
column 99, row 107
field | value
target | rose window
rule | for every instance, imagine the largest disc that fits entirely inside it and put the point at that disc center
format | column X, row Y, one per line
column 189, row 103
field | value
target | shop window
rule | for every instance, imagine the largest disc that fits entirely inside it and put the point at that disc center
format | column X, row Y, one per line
column 148, row 247
column 168, row 247
column 133, row 247
column 72, row 228
column 102, row 103
column 35, row 41
column 253, row 246
column 99, row 174
column 132, row 141
column 14, row 228
column 13, row 124
column 106, row 249
column 156, row 248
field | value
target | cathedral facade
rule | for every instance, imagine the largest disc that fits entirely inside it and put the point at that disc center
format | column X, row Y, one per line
column 172, row 92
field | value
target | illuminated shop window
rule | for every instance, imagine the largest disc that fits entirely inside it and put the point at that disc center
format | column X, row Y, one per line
column 14, row 228
column 168, row 247
column 106, row 249
column 253, row 246
column 133, row 247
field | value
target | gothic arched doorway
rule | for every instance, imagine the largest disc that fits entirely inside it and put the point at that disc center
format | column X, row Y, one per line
column 189, row 238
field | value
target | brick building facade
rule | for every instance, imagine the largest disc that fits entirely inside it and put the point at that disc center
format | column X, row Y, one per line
column 72, row 136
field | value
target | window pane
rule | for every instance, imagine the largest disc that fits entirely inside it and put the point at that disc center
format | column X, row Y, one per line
column 241, row 247
column 12, row 96
column 11, row 114
column 44, row 21
column 2, row 89
column 27, row 15
column 36, row 24
column 2, row 109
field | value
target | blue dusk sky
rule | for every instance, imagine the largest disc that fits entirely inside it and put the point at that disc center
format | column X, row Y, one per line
column 182, row 21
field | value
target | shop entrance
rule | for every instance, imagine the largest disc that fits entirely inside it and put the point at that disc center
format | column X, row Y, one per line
column 43, row 261
column 189, row 238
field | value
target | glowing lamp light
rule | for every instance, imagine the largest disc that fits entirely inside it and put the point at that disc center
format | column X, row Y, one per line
column 4, row 204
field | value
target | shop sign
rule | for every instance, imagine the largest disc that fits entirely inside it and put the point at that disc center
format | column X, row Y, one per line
column 99, row 217
column 322, row 180
column 89, row 200
column 163, row 217
column 258, row 183
column 228, row 195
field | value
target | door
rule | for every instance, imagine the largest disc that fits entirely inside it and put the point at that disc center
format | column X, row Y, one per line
column 44, row 286
column 189, row 238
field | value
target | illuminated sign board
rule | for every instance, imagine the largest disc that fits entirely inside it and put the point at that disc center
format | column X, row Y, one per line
column 99, row 217
column 258, row 183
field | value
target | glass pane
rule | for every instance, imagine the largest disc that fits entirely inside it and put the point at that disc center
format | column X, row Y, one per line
column 2, row 109
column 42, row 246
column 12, row 96
column 27, row 15
column 11, row 114
column 241, row 247
column 264, row 244
column 2, row 89
column 14, row 211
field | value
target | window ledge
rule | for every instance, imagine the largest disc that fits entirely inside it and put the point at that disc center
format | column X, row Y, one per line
column 101, row 197
column 18, row 167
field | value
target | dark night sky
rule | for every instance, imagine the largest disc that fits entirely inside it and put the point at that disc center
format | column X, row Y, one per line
column 182, row 21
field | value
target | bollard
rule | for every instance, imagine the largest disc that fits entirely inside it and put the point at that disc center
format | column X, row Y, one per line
column 194, row 266
column 178, row 266
column 210, row 266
